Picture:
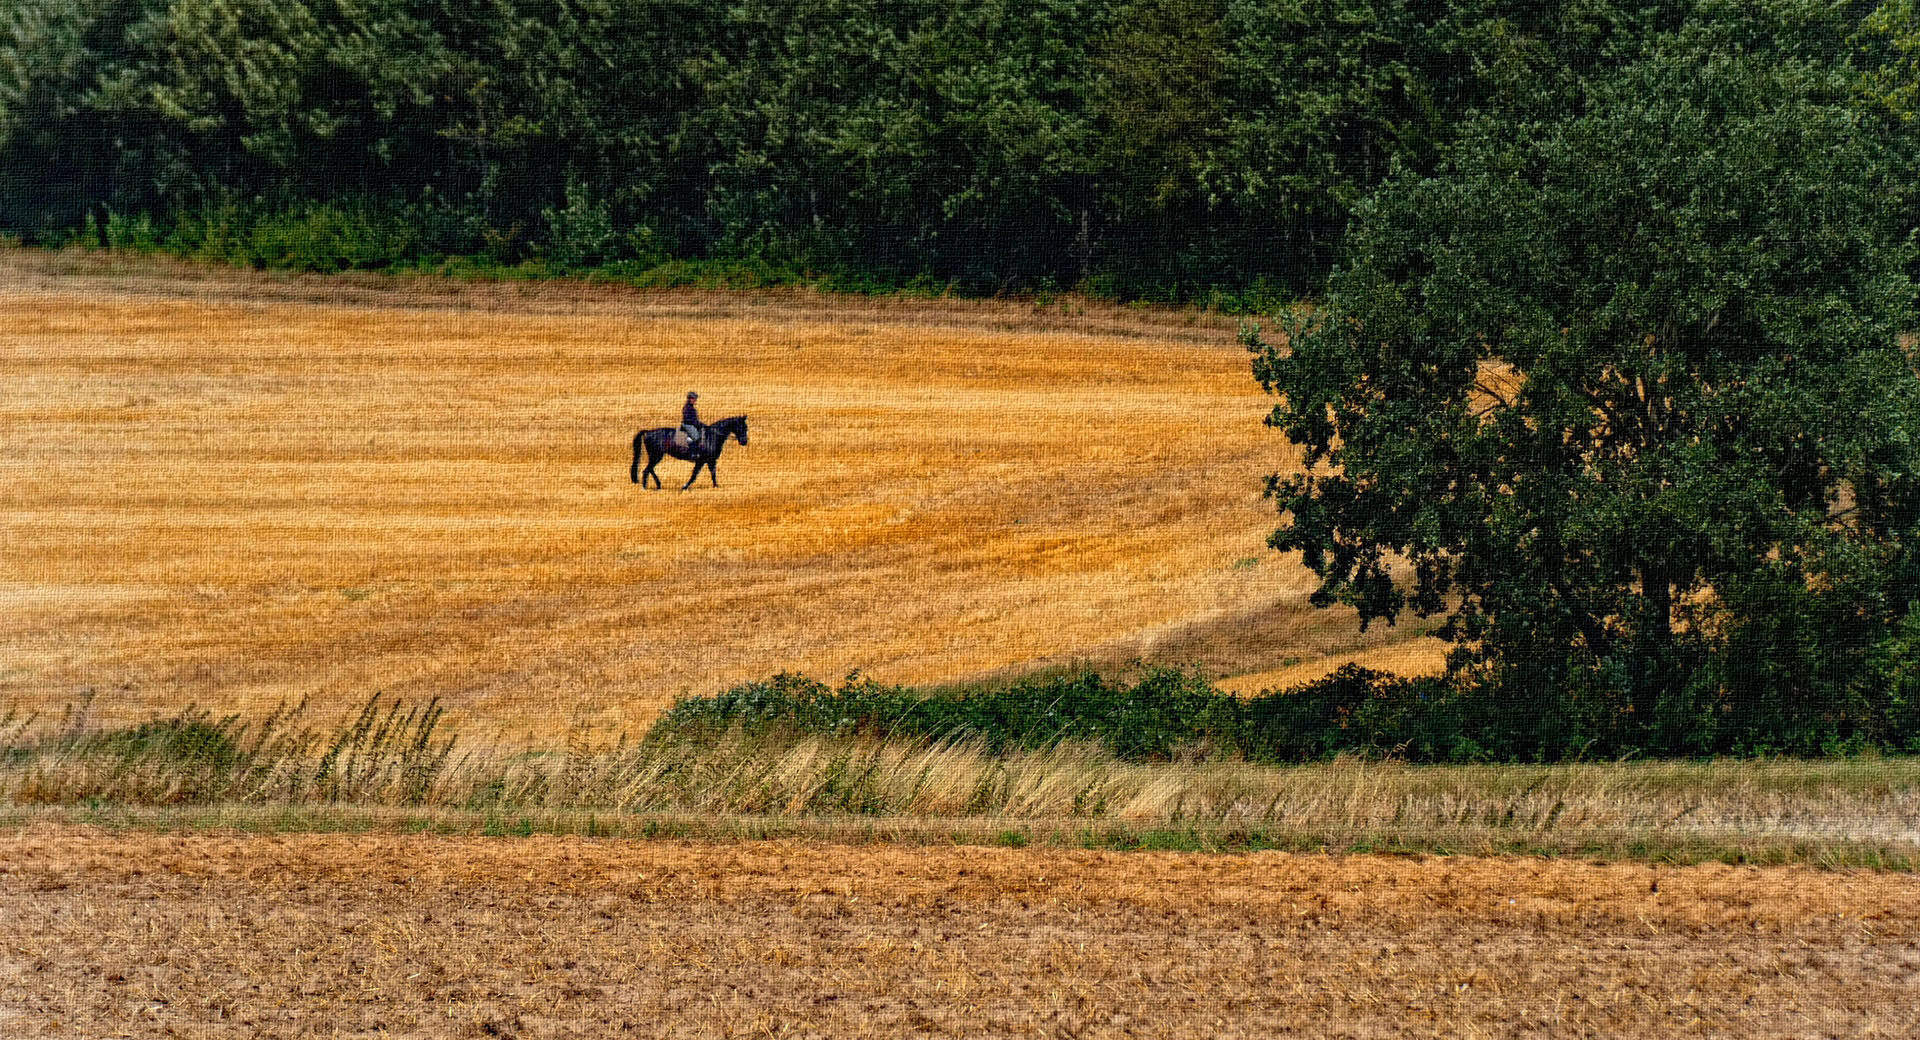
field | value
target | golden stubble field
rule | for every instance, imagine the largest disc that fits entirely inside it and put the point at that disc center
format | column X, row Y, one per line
column 243, row 490
column 127, row 934
column 239, row 490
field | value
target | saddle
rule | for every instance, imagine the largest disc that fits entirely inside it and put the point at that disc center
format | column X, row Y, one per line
column 678, row 439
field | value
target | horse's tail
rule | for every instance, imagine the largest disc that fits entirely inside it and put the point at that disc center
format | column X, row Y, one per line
column 634, row 470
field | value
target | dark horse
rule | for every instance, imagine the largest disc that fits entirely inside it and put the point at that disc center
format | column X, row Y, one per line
column 659, row 443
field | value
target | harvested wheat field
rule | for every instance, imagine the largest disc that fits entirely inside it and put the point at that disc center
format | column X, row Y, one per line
column 238, row 490
column 117, row 934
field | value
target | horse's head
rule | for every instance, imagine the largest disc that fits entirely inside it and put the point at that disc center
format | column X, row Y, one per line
column 739, row 430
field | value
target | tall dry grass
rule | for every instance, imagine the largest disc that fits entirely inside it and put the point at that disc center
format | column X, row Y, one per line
column 395, row 757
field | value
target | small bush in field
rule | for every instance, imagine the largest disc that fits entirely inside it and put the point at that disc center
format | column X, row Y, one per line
column 189, row 741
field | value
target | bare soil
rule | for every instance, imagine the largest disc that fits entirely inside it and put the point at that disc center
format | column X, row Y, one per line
column 139, row 934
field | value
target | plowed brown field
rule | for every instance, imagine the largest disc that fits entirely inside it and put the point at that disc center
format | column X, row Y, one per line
column 113, row 934
column 238, row 490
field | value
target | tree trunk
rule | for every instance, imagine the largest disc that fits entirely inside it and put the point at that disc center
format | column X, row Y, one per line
column 1653, row 650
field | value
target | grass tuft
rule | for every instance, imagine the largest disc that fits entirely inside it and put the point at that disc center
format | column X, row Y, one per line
column 393, row 766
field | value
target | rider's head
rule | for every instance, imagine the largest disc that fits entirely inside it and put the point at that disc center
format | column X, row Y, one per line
column 691, row 395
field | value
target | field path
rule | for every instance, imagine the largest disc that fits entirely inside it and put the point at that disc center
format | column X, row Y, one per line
column 110, row 934
column 255, row 490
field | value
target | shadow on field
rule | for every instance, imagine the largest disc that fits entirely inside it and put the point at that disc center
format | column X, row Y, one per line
column 1284, row 634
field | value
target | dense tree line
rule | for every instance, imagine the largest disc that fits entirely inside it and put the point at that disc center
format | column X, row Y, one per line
column 1133, row 146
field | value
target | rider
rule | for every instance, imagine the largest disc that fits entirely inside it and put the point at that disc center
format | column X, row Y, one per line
column 690, row 423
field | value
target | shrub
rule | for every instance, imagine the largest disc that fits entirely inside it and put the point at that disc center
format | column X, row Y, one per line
column 1164, row 714
column 1167, row 714
column 580, row 234
column 329, row 238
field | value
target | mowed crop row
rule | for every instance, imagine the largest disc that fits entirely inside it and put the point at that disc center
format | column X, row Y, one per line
column 244, row 492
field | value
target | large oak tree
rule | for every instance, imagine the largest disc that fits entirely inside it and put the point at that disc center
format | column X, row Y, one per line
column 1621, row 395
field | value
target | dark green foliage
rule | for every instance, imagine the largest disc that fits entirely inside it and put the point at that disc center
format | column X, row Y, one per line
column 1165, row 714
column 193, row 742
column 308, row 236
column 1623, row 385
column 189, row 757
column 1168, row 715
column 1153, row 149
column 1895, row 674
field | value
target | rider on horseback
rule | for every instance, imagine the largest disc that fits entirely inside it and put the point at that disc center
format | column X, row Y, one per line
column 690, row 423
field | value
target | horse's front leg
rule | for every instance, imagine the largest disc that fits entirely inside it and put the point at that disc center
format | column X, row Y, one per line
column 712, row 473
column 691, row 477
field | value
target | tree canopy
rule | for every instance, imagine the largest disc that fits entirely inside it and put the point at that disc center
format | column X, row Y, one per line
column 1623, row 389
column 1150, row 148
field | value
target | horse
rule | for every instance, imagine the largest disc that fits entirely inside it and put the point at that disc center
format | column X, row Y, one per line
column 659, row 442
